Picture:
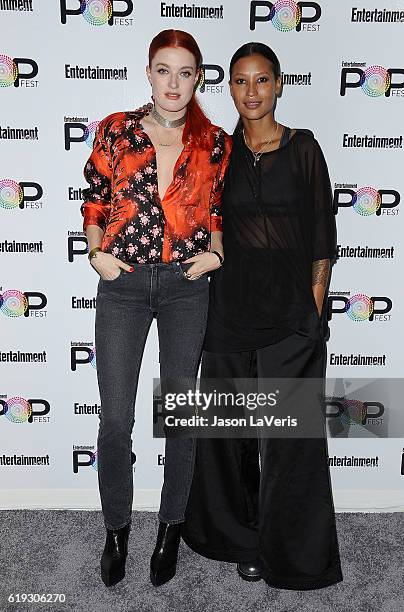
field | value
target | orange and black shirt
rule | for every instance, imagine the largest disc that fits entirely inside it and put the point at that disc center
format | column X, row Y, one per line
column 123, row 199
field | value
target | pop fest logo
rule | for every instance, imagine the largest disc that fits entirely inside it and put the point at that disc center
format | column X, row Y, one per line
column 367, row 201
column 355, row 412
column 18, row 71
column 81, row 355
column 360, row 307
column 14, row 303
column 19, row 410
column 84, row 458
column 15, row 195
column 213, row 82
column 11, row 194
column 87, row 134
column 375, row 81
column 286, row 15
column 98, row 12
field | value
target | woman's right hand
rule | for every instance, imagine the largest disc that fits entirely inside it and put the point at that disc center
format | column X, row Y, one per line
column 108, row 266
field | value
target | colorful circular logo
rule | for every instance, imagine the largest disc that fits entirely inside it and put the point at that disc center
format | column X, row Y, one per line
column 13, row 303
column 359, row 307
column 11, row 194
column 285, row 15
column 18, row 410
column 89, row 133
column 375, row 81
column 8, row 71
column 93, row 358
column 354, row 412
column 94, row 461
column 366, row 201
column 96, row 12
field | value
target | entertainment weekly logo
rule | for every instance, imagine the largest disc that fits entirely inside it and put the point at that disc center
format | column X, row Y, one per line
column 286, row 15
column 16, row 5
column 365, row 252
column 359, row 307
column 364, row 15
column 366, row 201
column 98, row 12
column 375, row 81
column 18, row 71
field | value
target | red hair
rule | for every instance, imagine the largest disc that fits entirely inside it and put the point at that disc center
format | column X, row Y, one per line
column 197, row 123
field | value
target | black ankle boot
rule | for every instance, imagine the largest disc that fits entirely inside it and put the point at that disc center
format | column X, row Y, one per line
column 114, row 555
column 163, row 563
column 250, row 570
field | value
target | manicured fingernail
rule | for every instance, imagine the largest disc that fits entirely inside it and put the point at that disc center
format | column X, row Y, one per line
column 131, row 269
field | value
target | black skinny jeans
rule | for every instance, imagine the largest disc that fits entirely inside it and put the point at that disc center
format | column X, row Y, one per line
column 125, row 310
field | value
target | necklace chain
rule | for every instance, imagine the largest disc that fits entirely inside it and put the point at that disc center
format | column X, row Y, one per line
column 167, row 124
column 165, row 144
column 258, row 154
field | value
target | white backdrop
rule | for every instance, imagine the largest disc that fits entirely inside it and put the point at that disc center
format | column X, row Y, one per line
column 44, row 113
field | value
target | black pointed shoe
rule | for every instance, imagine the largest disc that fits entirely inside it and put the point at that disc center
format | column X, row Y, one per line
column 163, row 563
column 114, row 556
column 250, row 570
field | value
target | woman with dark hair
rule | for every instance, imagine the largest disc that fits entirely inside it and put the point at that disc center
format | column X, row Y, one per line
column 153, row 222
column 266, row 503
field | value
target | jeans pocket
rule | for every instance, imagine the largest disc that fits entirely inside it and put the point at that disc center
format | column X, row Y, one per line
column 113, row 280
column 185, row 267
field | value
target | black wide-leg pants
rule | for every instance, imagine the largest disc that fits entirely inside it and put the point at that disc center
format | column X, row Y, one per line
column 281, row 511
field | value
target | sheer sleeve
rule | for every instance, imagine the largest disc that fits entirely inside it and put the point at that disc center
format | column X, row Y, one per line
column 97, row 172
column 217, row 188
column 324, row 231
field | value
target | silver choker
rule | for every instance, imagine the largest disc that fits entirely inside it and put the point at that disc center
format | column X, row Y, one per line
column 165, row 122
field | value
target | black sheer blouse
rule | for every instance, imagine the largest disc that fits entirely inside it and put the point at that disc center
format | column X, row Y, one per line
column 277, row 220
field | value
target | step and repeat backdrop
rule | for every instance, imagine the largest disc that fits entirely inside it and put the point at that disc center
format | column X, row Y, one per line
column 66, row 64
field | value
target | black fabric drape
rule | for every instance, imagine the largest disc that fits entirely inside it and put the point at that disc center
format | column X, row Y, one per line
column 281, row 511
column 277, row 220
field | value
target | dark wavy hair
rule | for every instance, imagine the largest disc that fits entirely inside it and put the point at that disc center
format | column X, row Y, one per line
column 255, row 48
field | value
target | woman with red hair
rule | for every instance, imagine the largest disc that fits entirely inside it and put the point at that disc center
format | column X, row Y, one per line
column 153, row 223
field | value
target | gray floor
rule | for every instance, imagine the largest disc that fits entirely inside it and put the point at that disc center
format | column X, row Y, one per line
column 58, row 552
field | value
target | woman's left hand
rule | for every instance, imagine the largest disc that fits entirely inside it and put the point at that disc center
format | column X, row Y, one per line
column 202, row 263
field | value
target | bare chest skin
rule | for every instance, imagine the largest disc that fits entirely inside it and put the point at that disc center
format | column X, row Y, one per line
column 260, row 145
column 166, row 156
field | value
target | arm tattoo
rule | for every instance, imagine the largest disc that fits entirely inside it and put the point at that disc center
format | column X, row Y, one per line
column 320, row 272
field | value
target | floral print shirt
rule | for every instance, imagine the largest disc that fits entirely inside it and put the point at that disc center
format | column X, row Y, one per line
column 123, row 199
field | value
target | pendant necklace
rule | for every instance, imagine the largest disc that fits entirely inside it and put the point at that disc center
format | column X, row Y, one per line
column 164, row 144
column 257, row 154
